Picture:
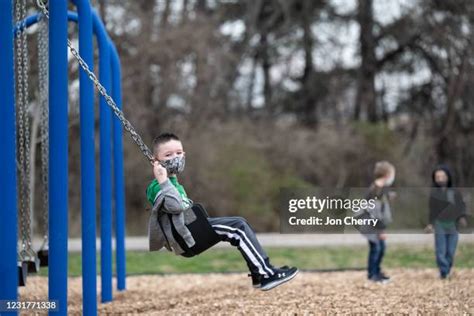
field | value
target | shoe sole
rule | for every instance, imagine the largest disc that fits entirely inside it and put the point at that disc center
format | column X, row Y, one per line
column 381, row 281
column 257, row 286
column 276, row 283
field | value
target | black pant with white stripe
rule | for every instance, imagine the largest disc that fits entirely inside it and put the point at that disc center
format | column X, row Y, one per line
column 238, row 232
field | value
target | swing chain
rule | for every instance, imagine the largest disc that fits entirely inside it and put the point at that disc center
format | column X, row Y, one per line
column 43, row 102
column 19, row 85
column 29, row 179
column 126, row 124
column 24, row 131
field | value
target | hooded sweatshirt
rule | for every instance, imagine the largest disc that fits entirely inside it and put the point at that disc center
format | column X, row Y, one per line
column 446, row 204
column 171, row 209
column 382, row 211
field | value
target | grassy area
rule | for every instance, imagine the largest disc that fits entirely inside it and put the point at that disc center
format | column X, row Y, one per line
column 230, row 260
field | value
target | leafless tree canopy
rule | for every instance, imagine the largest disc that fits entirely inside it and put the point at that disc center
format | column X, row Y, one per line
column 270, row 93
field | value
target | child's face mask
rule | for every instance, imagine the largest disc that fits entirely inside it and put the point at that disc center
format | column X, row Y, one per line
column 174, row 165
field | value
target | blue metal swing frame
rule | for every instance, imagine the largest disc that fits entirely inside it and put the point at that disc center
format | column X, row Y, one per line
column 110, row 129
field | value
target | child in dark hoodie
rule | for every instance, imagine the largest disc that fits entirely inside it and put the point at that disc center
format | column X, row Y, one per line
column 446, row 211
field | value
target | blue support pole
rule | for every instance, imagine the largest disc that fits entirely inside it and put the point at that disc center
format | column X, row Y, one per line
column 8, row 209
column 118, row 174
column 105, row 163
column 109, row 61
column 58, row 162
column 88, row 188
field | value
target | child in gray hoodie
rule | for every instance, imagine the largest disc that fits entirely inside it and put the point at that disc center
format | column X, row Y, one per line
column 172, row 214
column 384, row 174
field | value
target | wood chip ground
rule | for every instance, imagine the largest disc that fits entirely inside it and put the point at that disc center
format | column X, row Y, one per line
column 411, row 292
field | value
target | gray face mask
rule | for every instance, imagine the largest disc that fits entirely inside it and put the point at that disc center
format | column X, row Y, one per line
column 174, row 165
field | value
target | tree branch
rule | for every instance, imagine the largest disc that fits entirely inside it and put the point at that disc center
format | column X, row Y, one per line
column 398, row 51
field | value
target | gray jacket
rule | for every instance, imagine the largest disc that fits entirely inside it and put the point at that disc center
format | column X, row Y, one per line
column 169, row 201
column 382, row 211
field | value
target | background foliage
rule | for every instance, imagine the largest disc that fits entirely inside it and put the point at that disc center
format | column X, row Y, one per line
column 267, row 94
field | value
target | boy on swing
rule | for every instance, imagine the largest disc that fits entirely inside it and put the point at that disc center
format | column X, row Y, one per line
column 168, row 196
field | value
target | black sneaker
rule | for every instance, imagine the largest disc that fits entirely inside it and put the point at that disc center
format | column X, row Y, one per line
column 378, row 279
column 384, row 276
column 256, row 278
column 279, row 277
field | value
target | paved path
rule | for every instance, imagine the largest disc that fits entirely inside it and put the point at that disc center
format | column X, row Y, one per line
column 291, row 240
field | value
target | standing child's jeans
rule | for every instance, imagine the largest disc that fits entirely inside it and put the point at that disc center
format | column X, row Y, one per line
column 376, row 252
column 446, row 240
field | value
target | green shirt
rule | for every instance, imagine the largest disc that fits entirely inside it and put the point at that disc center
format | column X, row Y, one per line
column 154, row 187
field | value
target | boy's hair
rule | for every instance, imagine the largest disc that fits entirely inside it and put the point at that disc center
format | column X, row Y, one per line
column 163, row 138
column 382, row 168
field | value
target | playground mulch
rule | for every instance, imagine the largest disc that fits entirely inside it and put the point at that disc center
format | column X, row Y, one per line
column 412, row 291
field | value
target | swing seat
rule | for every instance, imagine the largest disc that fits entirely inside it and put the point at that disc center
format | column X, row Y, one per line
column 22, row 267
column 33, row 264
column 43, row 257
column 202, row 232
column 29, row 257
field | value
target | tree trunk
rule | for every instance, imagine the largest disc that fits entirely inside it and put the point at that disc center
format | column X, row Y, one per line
column 163, row 86
column 201, row 6
column 267, row 91
column 184, row 12
column 102, row 10
column 165, row 15
column 455, row 88
column 309, row 103
column 366, row 97
column 251, row 86
column 147, row 84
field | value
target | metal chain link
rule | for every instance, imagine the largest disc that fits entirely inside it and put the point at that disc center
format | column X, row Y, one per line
column 43, row 62
column 19, row 100
column 126, row 124
column 28, row 197
column 24, row 131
